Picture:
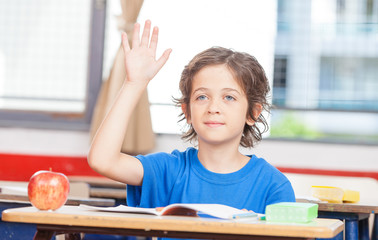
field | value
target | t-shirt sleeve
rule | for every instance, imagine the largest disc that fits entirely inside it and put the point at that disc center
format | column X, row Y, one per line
column 277, row 186
column 160, row 172
column 282, row 192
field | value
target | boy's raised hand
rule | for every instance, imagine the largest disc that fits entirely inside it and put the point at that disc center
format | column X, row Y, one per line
column 140, row 60
column 141, row 66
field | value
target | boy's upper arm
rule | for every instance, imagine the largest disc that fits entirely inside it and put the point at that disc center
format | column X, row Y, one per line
column 128, row 170
column 283, row 193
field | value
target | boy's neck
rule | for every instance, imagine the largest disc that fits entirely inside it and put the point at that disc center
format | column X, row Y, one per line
column 221, row 159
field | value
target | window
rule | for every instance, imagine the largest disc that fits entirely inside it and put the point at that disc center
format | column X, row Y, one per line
column 356, row 16
column 50, row 62
column 279, row 80
column 348, row 83
column 330, row 56
column 331, row 77
column 282, row 16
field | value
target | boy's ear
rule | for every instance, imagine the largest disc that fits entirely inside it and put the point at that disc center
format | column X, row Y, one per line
column 184, row 110
column 257, row 109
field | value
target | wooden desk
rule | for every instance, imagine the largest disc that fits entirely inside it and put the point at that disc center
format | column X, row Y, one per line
column 101, row 187
column 79, row 194
column 73, row 219
column 356, row 216
column 26, row 231
column 361, row 207
column 70, row 201
column 98, row 181
column 14, row 195
column 114, row 193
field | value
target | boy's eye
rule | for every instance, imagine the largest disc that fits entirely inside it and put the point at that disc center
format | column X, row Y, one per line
column 229, row 98
column 201, row 97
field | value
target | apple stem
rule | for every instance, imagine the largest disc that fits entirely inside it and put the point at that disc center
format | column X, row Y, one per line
column 50, row 169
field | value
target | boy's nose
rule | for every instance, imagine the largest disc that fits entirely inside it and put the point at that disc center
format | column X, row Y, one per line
column 213, row 107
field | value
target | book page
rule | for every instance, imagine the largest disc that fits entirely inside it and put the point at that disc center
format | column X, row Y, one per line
column 182, row 209
column 122, row 208
column 214, row 210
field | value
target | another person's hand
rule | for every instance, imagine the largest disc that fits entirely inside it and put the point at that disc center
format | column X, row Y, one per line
column 140, row 60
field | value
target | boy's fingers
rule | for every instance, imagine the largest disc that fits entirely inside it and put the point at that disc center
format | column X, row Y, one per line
column 125, row 42
column 163, row 59
column 136, row 42
column 146, row 33
column 154, row 38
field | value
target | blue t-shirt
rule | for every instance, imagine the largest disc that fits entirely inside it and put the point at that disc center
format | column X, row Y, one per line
column 180, row 177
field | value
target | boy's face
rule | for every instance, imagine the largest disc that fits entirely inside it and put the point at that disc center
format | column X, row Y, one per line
column 218, row 106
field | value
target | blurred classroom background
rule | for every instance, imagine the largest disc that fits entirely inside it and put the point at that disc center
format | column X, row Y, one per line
column 60, row 69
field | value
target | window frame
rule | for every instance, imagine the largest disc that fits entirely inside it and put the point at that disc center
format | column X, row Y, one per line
column 66, row 120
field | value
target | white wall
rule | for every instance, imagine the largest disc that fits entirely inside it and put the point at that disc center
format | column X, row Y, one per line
column 278, row 153
column 301, row 154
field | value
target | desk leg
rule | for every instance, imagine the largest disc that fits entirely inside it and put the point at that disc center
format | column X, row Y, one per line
column 351, row 223
column 72, row 236
column 47, row 235
column 363, row 226
column 43, row 235
column 374, row 235
column 351, row 229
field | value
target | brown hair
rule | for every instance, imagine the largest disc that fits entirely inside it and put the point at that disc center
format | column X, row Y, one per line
column 251, row 77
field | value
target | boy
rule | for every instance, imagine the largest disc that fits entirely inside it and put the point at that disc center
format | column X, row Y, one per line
column 224, row 93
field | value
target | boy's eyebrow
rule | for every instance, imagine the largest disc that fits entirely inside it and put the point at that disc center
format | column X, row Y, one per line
column 224, row 90
column 230, row 90
column 199, row 89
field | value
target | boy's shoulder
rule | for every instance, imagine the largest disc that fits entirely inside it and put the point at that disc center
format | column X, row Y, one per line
column 188, row 153
column 264, row 164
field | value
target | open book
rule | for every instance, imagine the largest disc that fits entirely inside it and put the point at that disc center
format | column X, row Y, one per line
column 182, row 209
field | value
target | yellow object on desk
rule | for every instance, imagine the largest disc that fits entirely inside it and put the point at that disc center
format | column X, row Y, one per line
column 335, row 194
column 351, row 196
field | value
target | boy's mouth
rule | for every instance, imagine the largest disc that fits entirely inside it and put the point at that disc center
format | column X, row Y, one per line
column 214, row 124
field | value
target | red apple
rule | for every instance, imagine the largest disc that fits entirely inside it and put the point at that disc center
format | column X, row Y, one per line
column 48, row 190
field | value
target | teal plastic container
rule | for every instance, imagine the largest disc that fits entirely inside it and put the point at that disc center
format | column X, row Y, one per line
column 291, row 212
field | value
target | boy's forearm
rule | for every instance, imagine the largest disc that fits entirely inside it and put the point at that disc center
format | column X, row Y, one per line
column 141, row 66
column 107, row 143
